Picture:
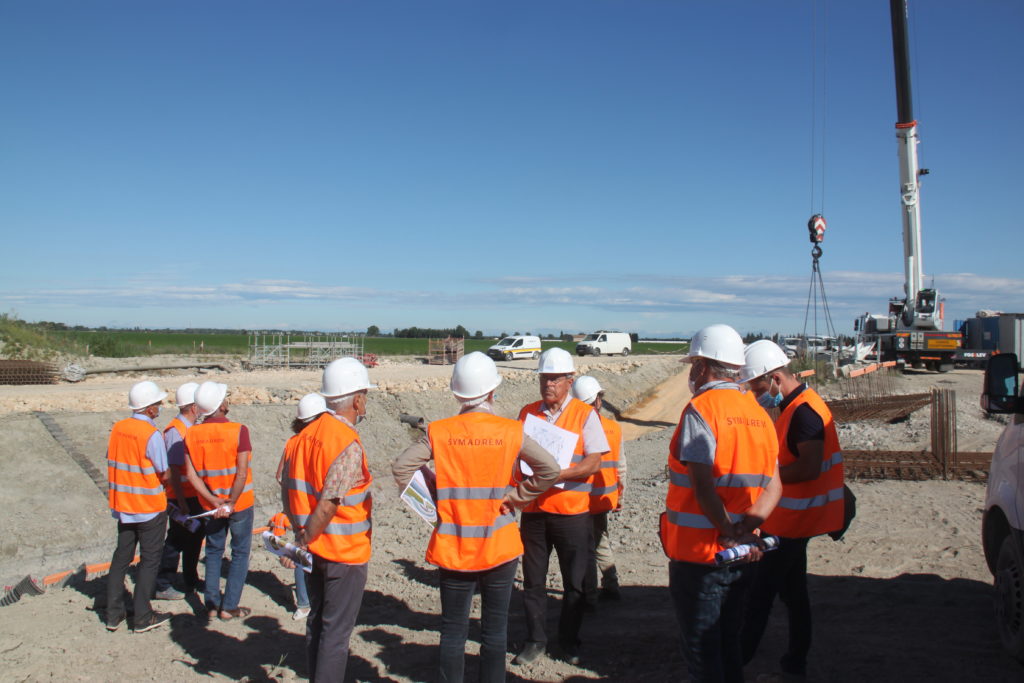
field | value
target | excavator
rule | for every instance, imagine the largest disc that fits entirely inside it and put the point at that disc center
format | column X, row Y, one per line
column 911, row 332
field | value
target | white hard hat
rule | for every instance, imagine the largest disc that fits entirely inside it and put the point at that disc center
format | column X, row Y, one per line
column 762, row 357
column 210, row 396
column 586, row 388
column 474, row 375
column 555, row 361
column 717, row 342
column 144, row 394
column 343, row 377
column 186, row 394
column 310, row 406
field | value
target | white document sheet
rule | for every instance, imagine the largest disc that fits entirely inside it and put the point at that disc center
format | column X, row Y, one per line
column 557, row 441
column 419, row 495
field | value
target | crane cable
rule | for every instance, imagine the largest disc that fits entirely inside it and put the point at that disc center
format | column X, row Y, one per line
column 816, row 225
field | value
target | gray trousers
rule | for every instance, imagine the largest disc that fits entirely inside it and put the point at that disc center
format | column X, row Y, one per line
column 149, row 537
column 335, row 594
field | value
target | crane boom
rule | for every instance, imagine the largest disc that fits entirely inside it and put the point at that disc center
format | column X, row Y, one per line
column 919, row 309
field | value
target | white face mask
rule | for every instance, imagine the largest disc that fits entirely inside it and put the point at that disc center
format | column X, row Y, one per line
column 693, row 386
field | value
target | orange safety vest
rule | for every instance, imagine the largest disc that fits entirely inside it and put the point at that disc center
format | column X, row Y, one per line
column 575, row 497
column 474, row 456
column 604, row 492
column 213, row 449
column 186, row 488
column 346, row 538
column 745, row 459
column 279, row 524
column 815, row 507
column 134, row 486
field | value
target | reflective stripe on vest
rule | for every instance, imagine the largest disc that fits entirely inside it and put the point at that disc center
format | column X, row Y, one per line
column 279, row 524
column 213, row 450
column 186, row 487
column 474, row 457
column 744, row 463
column 133, row 485
column 604, row 492
column 308, row 459
column 574, row 497
column 815, row 507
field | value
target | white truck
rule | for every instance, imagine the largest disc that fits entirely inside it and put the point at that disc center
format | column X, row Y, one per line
column 604, row 342
column 1002, row 526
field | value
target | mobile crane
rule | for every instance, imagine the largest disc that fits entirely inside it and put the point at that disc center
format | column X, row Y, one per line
column 911, row 333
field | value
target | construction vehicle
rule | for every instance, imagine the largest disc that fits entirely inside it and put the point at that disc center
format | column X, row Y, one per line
column 911, row 332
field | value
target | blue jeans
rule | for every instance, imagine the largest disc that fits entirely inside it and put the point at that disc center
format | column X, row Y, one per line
column 456, row 600
column 240, row 526
column 709, row 603
column 301, row 592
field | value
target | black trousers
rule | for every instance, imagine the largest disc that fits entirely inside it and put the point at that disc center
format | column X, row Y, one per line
column 335, row 593
column 181, row 541
column 782, row 572
column 149, row 536
column 457, row 588
column 572, row 538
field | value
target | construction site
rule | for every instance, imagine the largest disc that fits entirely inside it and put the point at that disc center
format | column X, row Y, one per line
column 915, row 446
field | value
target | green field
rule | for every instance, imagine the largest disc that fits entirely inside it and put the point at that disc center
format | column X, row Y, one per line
column 123, row 343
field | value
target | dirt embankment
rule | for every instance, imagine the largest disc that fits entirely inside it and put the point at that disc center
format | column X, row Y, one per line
column 905, row 597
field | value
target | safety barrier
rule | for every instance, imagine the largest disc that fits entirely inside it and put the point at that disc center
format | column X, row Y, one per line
column 30, row 586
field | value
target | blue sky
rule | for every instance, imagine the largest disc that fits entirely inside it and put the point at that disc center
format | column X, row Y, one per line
column 534, row 165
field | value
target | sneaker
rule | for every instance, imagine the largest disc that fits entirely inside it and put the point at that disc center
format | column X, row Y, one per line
column 114, row 624
column 531, row 652
column 610, row 593
column 155, row 619
column 301, row 613
column 169, row 593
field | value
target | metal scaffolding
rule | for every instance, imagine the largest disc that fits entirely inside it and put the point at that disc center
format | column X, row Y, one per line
column 312, row 350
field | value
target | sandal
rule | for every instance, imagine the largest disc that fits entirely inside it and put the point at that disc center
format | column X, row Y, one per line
column 238, row 612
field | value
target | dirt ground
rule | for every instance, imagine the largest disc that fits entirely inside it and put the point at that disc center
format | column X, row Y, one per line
column 906, row 596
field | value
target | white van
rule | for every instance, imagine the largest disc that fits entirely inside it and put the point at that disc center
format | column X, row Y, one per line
column 510, row 348
column 603, row 342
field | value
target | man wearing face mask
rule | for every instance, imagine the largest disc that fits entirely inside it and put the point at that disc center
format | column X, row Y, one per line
column 723, row 485
column 811, row 468
column 325, row 492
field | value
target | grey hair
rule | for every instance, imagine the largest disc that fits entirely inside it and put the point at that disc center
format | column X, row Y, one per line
column 720, row 370
column 339, row 403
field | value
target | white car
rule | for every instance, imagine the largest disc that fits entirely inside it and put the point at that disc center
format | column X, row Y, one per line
column 603, row 342
column 1002, row 527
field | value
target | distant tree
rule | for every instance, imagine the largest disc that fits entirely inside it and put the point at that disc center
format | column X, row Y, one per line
column 503, row 335
column 460, row 331
column 478, row 334
column 372, row 331
column 517, row 334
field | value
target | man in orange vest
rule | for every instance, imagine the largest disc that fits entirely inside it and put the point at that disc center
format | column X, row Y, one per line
column 560, row 517
column 180, row 541
column 723, row 484
column 136, row 470
column 218, row 467
column 325, row 491
column 605, row 496
column 811, row 468
column 476, row 543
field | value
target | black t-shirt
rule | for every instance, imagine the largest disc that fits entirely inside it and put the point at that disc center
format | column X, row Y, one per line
column 806, row 424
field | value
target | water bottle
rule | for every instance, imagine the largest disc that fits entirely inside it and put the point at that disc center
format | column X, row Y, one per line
column 731, row 555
